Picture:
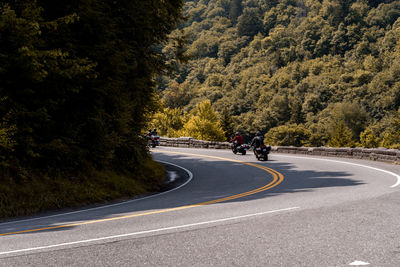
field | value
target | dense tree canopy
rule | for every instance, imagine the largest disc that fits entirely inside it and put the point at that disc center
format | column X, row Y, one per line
column 331, row 67
column 78, row 83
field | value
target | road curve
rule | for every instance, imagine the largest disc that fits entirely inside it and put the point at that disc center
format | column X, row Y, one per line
column 288, row 211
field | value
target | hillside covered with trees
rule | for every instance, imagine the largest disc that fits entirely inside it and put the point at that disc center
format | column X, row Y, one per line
column 305, row 72
column 77, row 88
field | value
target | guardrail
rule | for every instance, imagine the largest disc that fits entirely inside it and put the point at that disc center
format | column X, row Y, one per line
column 378, row 154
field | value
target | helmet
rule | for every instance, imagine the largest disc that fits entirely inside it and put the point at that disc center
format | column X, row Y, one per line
column 154, row 129
column 258, row 133
column 237, row 133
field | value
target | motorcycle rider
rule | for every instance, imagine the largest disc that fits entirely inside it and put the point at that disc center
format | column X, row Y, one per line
column 239, row 140
column 152, row 137
column 148, row 134
column 257, row 141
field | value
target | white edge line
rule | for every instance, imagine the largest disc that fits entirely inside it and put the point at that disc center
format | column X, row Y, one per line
column 350, row 163
column 111, row 205
column 147, row 231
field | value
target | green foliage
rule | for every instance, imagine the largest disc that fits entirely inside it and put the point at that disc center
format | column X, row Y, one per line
column 168, row 122
column 352, row 115
column 312, row 63
column 391, row 135
column 235, row 10
column 7, row 142
column 341, row 136
column 204, row 124
column 177, row 95
column 384, row 133
column 288, row 135
column 78, row 84
column 368, row 139
column 227, row 124
column 249, row 23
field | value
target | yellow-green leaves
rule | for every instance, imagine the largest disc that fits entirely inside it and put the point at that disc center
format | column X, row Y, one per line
column 168, row 122
column 204, row 124
column 201, row 123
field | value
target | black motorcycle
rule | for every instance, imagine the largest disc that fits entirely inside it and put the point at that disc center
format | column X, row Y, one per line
column 239, row 148
column 262, row 152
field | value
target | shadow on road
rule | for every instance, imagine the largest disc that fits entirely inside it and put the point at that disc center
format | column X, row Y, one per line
column 213, row 179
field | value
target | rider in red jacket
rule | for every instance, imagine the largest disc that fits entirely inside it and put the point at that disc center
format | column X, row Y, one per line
column 238, row 138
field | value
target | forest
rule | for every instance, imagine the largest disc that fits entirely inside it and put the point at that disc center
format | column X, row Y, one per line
column 77, row 88
column 304, row 72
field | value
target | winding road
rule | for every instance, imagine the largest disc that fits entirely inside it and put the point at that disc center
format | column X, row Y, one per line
column 230, row 210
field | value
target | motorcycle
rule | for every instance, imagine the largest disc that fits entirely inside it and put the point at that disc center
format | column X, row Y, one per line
column 239, row 148
column 262, row 152
column 153, row 140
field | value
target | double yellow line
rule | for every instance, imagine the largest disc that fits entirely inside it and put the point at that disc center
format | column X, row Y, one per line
column 277, row 179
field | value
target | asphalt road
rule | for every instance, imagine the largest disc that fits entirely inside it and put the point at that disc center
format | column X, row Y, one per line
column 231, row 211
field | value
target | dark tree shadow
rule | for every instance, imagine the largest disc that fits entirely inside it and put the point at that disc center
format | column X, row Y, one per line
column 233, row 178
